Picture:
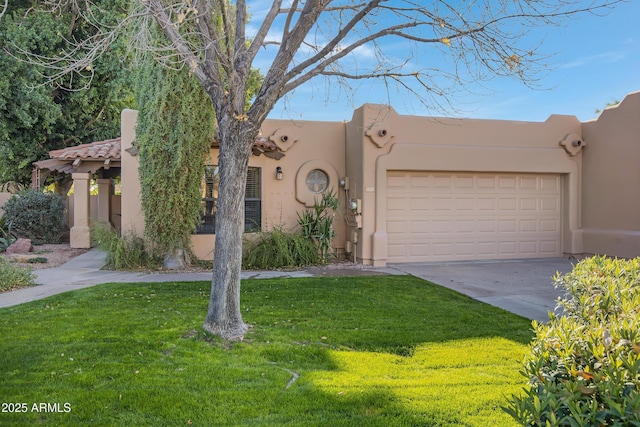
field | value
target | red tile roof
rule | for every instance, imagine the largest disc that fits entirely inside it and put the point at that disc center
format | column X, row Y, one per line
column 99, row 150
column 110, row 150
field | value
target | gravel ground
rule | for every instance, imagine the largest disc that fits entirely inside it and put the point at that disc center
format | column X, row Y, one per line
column 55, row 255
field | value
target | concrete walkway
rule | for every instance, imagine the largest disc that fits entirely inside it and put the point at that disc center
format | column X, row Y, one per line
column 524, row 287
column 85, row 270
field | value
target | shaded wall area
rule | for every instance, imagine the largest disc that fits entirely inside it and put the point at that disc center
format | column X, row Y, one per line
column 3, row 199
column 611, row 180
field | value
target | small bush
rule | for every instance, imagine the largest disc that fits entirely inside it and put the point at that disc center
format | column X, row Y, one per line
column 13, row 277
column 280, row 249
column 123, row 252
column 37, row 216
column 317, row 223
column 7, row 236
column 584, row 367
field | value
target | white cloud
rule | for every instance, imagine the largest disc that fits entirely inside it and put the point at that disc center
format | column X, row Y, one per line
column 609, row 57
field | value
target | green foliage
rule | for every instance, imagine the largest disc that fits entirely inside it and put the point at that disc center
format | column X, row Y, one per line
column 174, row 133
column 37, row 216
column 123, row 252
column 317, row 223
column 584, row 367
column 48, row 116
column 609, row 104
column 376, row 351
column 13, row 277
column 7, row 237
column 37, row 260
column 279, row 248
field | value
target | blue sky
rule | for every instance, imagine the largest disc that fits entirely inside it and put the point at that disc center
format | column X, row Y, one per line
column 596, row 60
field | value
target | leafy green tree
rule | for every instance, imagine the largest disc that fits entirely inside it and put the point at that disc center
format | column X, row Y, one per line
column 37, row 116
column 174, row 133
column 176, row 126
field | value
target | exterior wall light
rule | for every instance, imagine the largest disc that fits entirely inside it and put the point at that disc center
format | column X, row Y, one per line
column 278, row 173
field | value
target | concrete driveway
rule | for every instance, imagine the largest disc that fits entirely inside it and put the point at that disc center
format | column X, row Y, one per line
column 524, row 287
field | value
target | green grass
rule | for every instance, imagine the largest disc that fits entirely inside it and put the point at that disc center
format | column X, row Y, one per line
column 366, row 351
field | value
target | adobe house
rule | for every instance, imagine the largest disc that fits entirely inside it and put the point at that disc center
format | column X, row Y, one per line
column 435, row 189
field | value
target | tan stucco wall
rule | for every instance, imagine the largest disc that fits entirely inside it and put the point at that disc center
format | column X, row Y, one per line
column 132, row 220
column 611, row 179
column 309, row 145
column 380, row 140
column 3, row 199
column 114, row 217
column 80, row 233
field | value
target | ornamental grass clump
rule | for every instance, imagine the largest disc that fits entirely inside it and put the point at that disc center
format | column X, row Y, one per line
column 279, row 248
column 127, row 252
column 584, row 366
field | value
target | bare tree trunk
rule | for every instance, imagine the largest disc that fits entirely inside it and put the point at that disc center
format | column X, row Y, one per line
column 224, row 317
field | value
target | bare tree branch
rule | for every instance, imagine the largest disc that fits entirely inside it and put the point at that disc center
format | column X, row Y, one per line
column 5, row 6
column 267, row 23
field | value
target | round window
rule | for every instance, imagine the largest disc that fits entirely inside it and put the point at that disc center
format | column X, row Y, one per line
column 317, row 181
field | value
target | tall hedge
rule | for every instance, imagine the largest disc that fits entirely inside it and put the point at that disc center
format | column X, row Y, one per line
column 174, row 132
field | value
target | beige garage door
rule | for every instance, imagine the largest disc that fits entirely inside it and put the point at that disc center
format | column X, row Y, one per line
column 466, row 216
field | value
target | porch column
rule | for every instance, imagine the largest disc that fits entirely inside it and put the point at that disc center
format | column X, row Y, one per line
column 80, row 236
column 104, row 200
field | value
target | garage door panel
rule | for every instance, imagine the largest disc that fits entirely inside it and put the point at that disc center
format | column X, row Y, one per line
column 486, row 204
column 550, row 247
column 449, row 216
column 397, row 227
column 508, row 226
column 528, row 204
column 528, row 183
column 507, row 183
column 509, row 204
column 549, row 204
column 550, row 184
column 528, row 226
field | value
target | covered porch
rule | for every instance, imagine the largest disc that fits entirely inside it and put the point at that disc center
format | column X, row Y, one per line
column 98, row 160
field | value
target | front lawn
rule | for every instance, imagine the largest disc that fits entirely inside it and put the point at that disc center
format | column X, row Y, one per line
column 365, row 351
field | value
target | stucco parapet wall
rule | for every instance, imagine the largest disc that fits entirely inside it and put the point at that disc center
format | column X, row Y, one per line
column 625, row 107
column 384, row 130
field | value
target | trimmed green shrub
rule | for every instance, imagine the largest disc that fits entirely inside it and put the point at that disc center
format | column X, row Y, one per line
column 37, row 216
column 584, row 367
column 279, row 248
column 13, row 277
column 123, row 252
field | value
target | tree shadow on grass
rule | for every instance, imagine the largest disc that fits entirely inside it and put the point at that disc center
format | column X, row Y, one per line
column 384, row 313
